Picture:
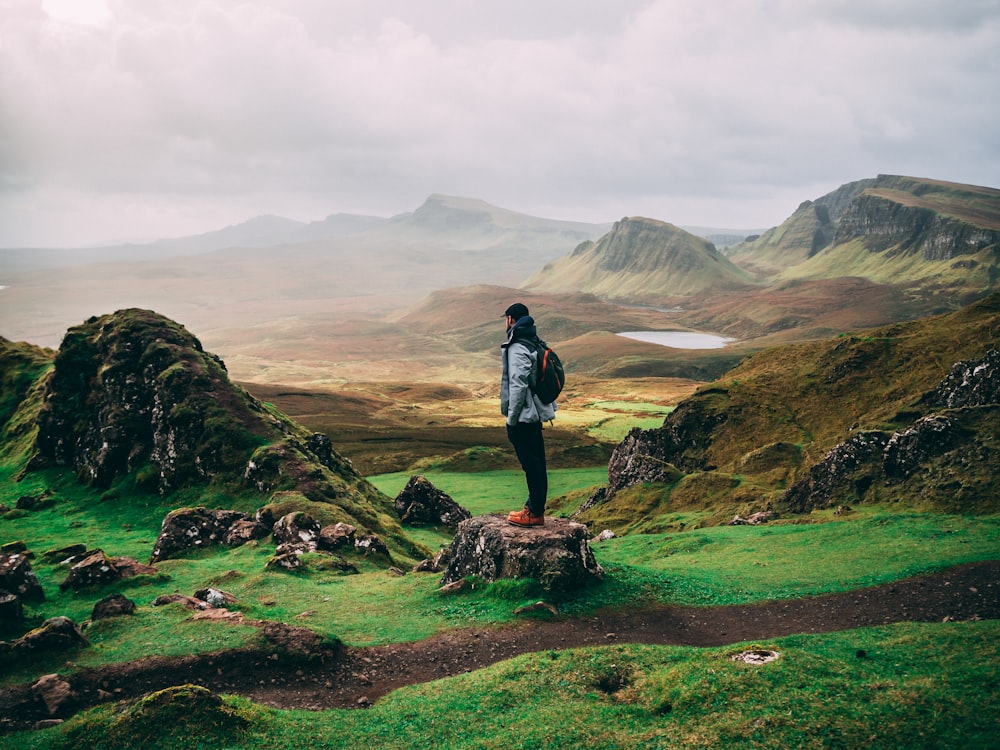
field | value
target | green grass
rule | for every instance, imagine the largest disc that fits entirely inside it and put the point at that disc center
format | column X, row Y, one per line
column 742, row 564
column 494, row 491
column 621, row 417
column 917, row 685
column 720, row 565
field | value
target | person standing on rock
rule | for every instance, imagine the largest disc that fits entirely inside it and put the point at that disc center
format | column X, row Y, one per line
column 525, row 412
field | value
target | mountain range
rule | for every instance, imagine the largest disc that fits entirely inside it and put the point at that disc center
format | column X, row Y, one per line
column 276, row 291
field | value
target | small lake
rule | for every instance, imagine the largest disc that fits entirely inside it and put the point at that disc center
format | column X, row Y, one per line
column 679, row 339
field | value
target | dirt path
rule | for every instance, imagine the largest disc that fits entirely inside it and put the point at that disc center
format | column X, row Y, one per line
column 356, row 677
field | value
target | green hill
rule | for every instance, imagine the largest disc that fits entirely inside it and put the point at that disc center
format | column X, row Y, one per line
column 641, row 261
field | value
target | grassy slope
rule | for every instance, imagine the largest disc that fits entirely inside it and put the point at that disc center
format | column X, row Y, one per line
column 782, row 409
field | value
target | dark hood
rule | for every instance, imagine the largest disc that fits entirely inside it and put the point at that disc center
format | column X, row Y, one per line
column 524, row 328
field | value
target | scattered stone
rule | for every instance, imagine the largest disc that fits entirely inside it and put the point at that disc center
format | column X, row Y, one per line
column 843, row 510
column 288, row 560
column 17, row 577
column 970, row 383
column 754, row 519
column 96, row 569
column 398, row 572
column 185, row 528
column 11, row 610
column 369, row 544
column 537, row 607
column 219, row 614
column 114, row 605
column 557, row 554
column 55, row 693
column 420, row 503
column 66, row 555
column 129, row 567
column 756, row 656
column 30, row 502
column 188, row 601
column 55, row 634
column 454, row 587
column 297, row 528
column 442, row 557
column 336, row 535
column 435, row 565
column 244, row 530
column 215, row 597
column 923, row 440
column 605, row 535
column 265, row 515
column 46, row 724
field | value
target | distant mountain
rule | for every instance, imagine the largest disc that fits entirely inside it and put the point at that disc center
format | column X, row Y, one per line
column 937, row 238
column 641, row 261
column 260, row 231
column 800, row 236
column 270, row 269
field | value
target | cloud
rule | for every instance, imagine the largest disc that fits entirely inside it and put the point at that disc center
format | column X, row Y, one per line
column 182, row 116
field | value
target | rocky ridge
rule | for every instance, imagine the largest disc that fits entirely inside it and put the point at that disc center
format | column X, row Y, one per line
column 800, row 428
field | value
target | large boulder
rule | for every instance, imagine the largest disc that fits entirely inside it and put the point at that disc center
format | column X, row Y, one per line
column 17, row 577
column 421, row 503
column 557, row 554
column 96, row 569
column 55, row 634
column 113, row 605
column 185, row 528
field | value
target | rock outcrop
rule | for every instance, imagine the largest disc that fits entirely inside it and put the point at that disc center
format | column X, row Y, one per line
column 18, row 578
column 55, row 634
column 861, row 418
column 557, row 555
column 420, row 503
column 883, row 223
column 187, row 528
column 133, row 394
column 870, row 459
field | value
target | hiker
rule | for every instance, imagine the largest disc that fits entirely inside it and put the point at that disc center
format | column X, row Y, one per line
column 525, row 412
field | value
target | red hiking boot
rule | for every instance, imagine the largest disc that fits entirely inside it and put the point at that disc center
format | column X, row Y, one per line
column 525, row 518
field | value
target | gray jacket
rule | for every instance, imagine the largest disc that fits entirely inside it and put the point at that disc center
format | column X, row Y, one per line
column 517, row 402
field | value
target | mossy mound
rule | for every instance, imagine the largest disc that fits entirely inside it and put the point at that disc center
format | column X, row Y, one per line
column 133, row 402
column 184, row 716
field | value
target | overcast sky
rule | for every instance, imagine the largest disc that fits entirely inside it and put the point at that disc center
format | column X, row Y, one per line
column 140, row 119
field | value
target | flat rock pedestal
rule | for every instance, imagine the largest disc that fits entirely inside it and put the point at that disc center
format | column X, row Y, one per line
column 557, row 554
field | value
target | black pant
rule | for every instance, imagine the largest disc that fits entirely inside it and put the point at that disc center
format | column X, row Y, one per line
column 526, row 437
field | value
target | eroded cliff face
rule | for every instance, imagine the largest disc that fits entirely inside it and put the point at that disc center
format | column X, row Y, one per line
column 882, row 223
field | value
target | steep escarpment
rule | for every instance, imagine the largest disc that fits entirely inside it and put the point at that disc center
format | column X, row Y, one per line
column 641, row 260
column 891, row 221
column 907, row 413
column 808, row 230
column 937, row 240
column 132, row 400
